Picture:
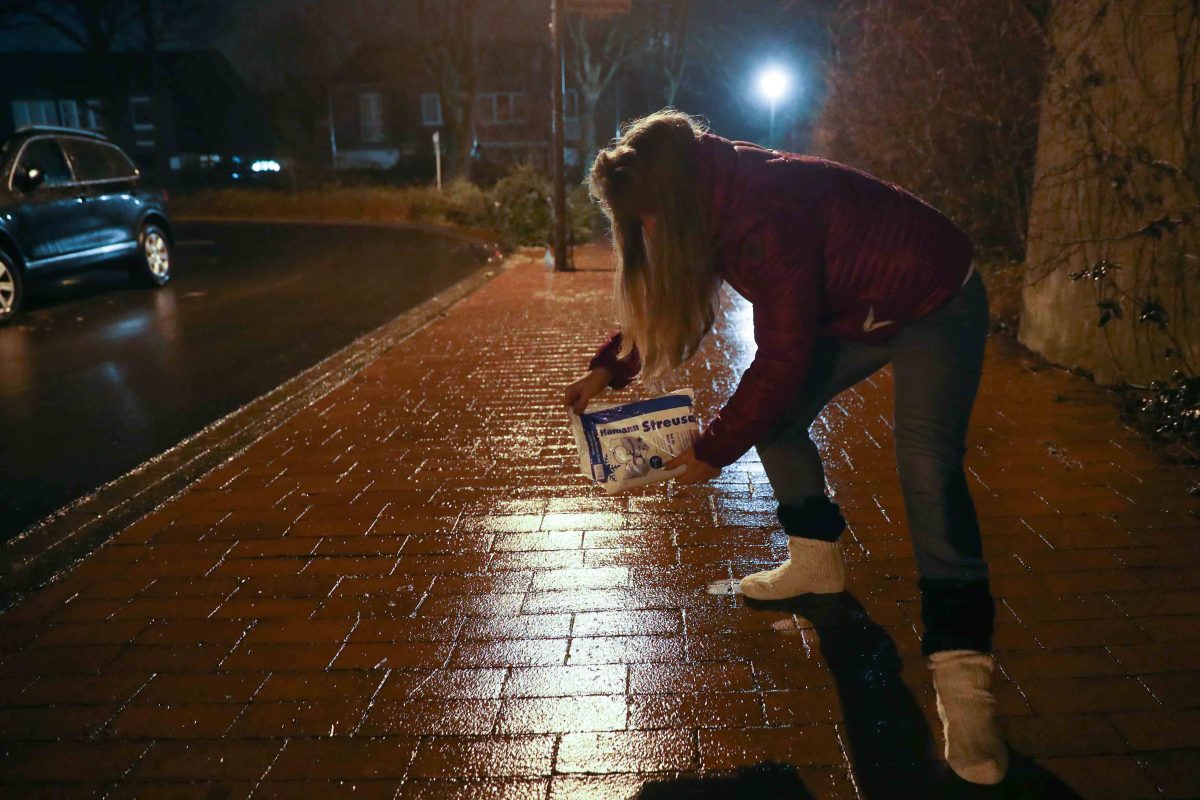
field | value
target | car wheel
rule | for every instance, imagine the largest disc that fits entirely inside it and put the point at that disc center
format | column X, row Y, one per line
column 152, row 265
column 12, row 290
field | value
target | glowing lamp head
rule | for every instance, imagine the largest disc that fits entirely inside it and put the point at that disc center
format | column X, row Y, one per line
column 773, row 83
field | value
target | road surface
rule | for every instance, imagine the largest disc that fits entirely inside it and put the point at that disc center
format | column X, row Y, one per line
column 98, row 376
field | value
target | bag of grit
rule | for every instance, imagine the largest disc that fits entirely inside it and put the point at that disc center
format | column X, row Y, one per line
column 625, row 446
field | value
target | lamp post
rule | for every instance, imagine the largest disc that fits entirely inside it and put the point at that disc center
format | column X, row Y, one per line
column 558, row 79
column 773, row 84
column 593, row 9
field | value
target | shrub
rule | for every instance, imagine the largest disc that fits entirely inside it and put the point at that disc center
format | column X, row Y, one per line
column 459, row 203
column 518, row 207
column 521, row 200
column 1169, row 409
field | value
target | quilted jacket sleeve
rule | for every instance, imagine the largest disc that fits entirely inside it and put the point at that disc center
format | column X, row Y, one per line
column 786, row 298
column 624, row 370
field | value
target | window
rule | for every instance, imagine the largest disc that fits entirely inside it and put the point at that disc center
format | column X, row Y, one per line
column 94, row 115
column 498, row 108
column 572, row 130
column 370, row 110
column 431, row 109
column 34, row 112
column 68, row 112
column 97, row 161
column 45, row 156
column 141, row 114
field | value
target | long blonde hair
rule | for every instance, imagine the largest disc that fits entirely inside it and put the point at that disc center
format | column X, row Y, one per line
column 667, row 284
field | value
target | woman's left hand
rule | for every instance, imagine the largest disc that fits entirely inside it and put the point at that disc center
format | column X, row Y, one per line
column 695, row 470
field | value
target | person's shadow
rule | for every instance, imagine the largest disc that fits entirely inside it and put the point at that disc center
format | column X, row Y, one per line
column 893, row 753
column 766, row 781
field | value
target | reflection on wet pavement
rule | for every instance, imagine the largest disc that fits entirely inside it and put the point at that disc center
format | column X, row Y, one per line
column 406, row 591
column 97, row 376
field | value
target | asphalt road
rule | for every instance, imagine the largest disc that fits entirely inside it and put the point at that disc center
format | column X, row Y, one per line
column 97, row 376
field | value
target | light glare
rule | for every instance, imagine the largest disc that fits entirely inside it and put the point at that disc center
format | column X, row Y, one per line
column 773, row 83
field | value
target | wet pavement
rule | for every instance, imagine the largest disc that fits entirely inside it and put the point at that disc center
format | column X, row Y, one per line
column 97, row 375
column 407, row 591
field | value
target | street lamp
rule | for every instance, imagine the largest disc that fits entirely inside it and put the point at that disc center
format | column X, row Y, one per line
column 773, row 83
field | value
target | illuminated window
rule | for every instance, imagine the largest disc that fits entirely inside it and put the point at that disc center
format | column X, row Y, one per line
column 370, row 111
column 572, row 131
column 499, row 108
column 141, row 114
column 68, row 112
column 93, row 116
column 34, row 112
column 431, row 109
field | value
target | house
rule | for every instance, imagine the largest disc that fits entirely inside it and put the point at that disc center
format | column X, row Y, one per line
column 186, row 118
column 386, row 108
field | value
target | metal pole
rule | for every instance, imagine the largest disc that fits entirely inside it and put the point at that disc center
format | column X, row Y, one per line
column 332, row 126
column 771, row 130
column 558, row 70
column 437, row 148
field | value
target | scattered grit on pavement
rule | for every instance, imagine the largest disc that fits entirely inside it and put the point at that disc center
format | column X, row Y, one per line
column 407, row 591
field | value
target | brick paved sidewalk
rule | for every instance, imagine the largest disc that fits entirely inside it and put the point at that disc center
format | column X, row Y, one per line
column 407, row 591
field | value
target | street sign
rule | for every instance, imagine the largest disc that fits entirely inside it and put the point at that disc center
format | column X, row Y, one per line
column 598, row 9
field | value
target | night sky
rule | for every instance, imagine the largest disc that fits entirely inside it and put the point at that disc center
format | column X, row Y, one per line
column 272, row 42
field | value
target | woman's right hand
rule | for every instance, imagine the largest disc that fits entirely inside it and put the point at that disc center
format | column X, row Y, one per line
column 578, row 394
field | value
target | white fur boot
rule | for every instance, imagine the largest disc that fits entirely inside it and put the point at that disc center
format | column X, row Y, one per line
column 815, row 567
column 975, row 750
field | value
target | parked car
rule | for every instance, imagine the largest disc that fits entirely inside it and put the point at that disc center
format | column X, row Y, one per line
column 72, row 200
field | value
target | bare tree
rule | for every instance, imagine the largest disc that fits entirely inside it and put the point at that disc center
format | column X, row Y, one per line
column 164, row 23
column 93, row 26
column 941, row 96
column 450, row 45
column 598, row 49
column 650, row 47
column 101, row 27
column 665, row 29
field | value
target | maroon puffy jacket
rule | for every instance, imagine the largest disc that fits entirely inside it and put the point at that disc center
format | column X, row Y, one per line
column 818, row 248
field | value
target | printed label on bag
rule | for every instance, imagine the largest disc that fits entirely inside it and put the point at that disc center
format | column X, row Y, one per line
column 629, row 445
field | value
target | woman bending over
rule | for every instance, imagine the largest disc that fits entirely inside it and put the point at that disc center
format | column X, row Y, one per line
column 845, row 273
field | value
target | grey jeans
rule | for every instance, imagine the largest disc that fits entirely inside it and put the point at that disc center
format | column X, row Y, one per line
column 937, row 361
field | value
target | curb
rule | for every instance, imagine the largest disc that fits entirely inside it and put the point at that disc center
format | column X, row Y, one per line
column 52, row 547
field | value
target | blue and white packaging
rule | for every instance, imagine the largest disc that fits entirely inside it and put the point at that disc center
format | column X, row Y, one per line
column 625, row 446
